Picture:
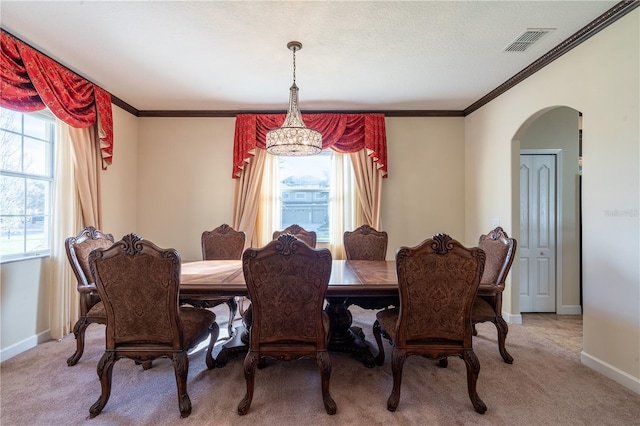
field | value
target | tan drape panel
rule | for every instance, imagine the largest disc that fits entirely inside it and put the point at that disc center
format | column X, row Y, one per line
column 369, row 183
column 246, row 197
column 87, row 163
column 64, row 307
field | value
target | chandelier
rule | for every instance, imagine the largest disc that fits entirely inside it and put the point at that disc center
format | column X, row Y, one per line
column 294, row 138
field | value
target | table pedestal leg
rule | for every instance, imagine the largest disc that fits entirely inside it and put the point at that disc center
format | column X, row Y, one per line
column 239, row 344
column 344, row 337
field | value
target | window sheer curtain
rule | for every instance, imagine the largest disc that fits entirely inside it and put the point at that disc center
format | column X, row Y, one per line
column 30, row 81
column 344, row 133
column 342, row 202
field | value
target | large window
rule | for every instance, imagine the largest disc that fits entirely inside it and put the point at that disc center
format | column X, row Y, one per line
column 26, row 179
column 310, row 187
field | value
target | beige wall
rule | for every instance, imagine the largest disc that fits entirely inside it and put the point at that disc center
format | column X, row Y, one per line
column 24, row 305
column 120, row 181
column 184, row 180
column 600, row 78
column 185, row 184
column 424, row 193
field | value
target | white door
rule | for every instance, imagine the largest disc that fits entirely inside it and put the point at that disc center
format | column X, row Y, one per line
column 537, row 244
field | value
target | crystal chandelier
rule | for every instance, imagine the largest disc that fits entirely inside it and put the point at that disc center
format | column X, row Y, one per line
column 294, row 138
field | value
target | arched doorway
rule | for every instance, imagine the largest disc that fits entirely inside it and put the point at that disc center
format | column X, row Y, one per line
column 553, row 131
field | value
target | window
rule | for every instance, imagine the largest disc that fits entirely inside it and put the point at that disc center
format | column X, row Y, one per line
column 26, row 179
column 310, row 188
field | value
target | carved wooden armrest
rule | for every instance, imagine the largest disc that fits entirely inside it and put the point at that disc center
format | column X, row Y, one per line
column 88, row 289
column 490, row 289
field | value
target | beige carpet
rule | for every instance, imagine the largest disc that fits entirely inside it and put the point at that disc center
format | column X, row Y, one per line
column 546, row 385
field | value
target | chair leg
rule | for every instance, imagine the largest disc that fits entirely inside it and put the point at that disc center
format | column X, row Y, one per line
column 78, row 331
column 377, row 334
column 474, row 331
column 181, row 369
column 249, row 366
column 214, row 333
column 105, row 373
column 473, row 369
column 503, row 329
column 398, row 357
column 324, row 362
column 233, row 310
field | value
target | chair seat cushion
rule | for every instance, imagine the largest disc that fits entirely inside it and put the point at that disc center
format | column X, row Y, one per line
column 482, row 309
column 388, row 319
column 195, row 324
column 97, row 310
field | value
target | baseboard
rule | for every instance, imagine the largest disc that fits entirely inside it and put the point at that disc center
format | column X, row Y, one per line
column 24, row 345
column 570, row 310
column 512, row 318
column 607, row 370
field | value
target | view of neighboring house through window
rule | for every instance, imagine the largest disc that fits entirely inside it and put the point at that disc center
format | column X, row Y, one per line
column 305, row 184
column 26, row 179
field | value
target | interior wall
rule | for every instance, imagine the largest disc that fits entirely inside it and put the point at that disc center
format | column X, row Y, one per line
column 601, row 79
column 185, row 184
column 558, row 129
column 118, row 182
column 24, row 305
column 184, row 180
column 424, row 193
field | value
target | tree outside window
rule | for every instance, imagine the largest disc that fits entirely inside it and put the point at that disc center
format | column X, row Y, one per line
column 26, row 177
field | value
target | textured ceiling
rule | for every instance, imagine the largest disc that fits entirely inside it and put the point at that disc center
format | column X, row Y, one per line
column 356, row 55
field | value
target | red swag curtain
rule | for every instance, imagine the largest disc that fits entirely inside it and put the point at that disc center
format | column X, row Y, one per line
column 344, row 133
column 31, row 81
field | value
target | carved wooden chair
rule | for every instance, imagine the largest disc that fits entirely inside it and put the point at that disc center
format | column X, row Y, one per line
column 365, row 243
column 299, row 232
column 437, row 280
column 128, row 275
column 91, row 308
column 287, row 282
column 222, row 243
column 500, row 251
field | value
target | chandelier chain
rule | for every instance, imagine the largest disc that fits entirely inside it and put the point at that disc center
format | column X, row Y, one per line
column 294, row 64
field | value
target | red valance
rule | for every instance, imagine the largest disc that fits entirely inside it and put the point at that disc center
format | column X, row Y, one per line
column 343, row 133
column 31, row 81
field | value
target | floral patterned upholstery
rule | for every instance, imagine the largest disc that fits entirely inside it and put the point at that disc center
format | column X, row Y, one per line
column 437, row 281
column 365, row 243
column 222, row 243
column 500, row 251
column 91, row 308
column 299, row 232
column 130, row 274
column 287, row 282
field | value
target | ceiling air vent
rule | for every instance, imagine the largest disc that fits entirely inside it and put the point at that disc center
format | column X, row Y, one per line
column 527, row 39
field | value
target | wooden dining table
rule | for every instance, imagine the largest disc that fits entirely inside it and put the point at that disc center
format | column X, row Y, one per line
column 370, row 284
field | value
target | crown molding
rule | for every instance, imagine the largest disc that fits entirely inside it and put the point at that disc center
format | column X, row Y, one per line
column 233, row 113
